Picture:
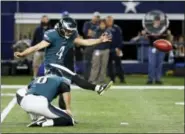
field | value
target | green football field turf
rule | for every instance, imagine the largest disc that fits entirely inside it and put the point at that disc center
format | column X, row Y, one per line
column 118, row 111
column 130, row 79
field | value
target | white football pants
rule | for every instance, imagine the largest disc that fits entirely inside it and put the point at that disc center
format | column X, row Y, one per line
column 20, row 94
column 38, row 105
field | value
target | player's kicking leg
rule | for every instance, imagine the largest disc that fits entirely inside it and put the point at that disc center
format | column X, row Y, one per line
column 82, row 82
column 89, row 86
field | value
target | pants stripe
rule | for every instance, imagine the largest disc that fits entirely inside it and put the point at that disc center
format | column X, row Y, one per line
column 58, row 112
column 63, row 68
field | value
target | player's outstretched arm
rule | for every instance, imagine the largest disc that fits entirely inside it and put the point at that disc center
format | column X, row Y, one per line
column 32, row 49
column 90, row 42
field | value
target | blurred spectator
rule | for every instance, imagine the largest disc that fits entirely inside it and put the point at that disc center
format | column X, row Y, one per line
column 100, row 57
column 155, row 57
column 180, row 47
column 22, row 44
column 141, row 37
column 116, row 50
column 37, row 37
column 142, row 48
column 89, row 32
column 90, row 26
column 170, row 38
column 26, row 39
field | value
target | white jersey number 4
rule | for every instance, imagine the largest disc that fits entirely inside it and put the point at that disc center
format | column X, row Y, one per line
column 60, row 52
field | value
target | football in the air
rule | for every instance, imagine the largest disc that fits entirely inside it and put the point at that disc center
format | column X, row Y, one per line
column 163, row 45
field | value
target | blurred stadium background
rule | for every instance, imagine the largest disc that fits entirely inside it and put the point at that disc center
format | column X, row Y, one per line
column 154, row 110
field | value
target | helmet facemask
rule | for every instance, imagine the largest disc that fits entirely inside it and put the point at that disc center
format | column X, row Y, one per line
column 67, row 33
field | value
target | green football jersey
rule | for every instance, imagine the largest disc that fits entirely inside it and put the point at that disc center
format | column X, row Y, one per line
column 47, row 86
column 58, row 48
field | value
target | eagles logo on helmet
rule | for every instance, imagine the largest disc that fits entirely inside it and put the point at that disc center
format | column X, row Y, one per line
column 66, row 27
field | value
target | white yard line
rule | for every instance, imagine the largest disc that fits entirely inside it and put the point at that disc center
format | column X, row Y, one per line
column 139, row 87
column 6, row 111
column 7, row 94
column 179, row 103
column 12, row 86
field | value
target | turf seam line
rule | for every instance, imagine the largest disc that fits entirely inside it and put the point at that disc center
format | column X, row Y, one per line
column 6, row 111
column 113, row 87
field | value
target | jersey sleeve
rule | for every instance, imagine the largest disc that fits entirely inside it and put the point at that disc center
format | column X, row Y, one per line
column 48, row 36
